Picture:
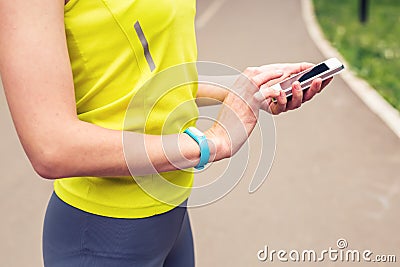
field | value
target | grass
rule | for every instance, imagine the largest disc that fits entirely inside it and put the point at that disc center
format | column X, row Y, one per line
column 372, row 49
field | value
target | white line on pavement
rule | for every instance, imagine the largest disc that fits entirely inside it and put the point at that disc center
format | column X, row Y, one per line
column 211, row 10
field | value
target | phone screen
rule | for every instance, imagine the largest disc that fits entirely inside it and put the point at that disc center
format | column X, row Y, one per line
column 320, row 68
column 315, row 71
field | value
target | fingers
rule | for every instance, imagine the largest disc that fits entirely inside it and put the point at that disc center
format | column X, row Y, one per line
column 265, row 76
column 297, row 97
column 280, row 105
column 266, row 93
column 316, row 87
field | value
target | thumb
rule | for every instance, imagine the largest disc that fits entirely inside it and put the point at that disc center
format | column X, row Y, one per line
column 266, row 76
column 265, row 96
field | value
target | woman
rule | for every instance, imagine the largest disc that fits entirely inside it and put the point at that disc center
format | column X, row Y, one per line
column 69, row 72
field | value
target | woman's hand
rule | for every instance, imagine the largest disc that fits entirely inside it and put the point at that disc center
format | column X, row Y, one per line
column 298, row 95
column 239, row 112
column 250, row 93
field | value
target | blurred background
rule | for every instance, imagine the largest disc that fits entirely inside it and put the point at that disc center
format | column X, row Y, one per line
column 336, row 170
column 366, row 32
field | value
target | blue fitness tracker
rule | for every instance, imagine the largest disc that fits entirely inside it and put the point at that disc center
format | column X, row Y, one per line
column 201, row 139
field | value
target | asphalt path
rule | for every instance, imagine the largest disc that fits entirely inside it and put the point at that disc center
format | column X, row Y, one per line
column 335, row 174
column 337, row 166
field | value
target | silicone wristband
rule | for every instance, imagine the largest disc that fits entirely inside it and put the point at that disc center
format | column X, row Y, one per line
column 201, row 139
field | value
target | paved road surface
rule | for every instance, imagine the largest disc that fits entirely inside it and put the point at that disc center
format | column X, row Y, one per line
column 336, row 172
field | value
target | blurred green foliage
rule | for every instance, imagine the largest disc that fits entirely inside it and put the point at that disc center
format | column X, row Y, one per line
column 372, row 49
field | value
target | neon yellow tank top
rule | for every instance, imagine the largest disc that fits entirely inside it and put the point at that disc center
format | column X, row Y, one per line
column 115, row 47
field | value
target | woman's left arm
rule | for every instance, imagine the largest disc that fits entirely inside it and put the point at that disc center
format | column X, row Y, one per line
column 209, row 94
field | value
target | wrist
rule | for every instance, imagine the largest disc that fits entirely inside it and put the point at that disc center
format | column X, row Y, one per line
column 218, row 142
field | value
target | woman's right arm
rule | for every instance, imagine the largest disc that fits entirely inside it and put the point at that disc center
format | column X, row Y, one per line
column 38, row 83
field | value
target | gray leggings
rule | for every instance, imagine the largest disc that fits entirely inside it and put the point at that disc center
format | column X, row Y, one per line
column 74, row 238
